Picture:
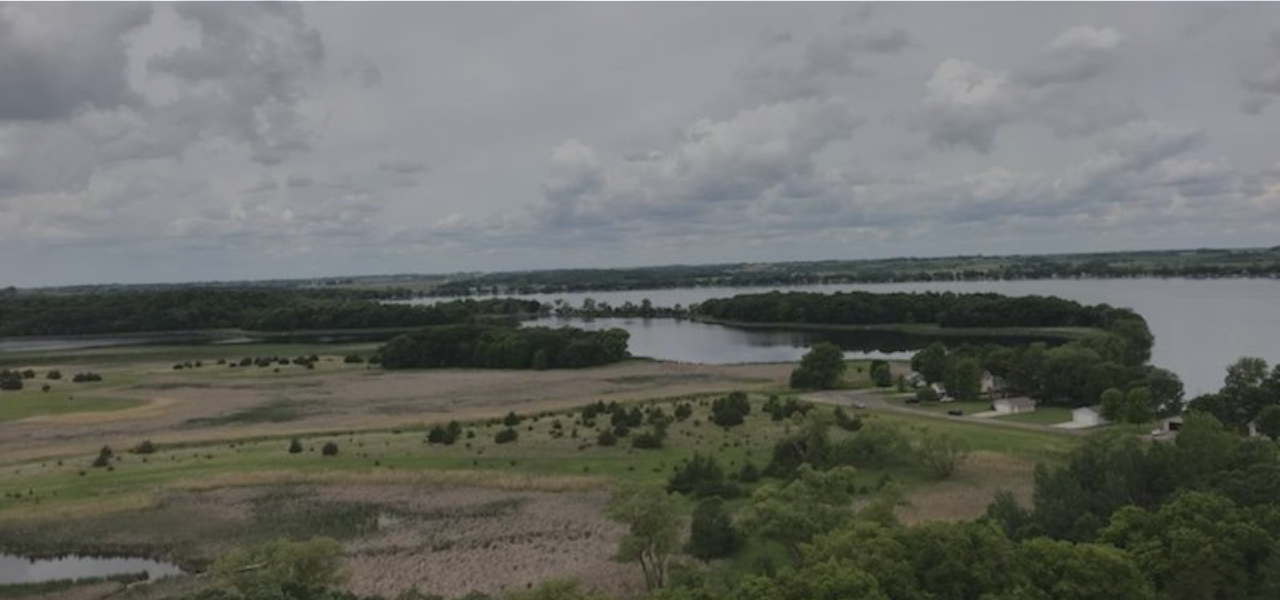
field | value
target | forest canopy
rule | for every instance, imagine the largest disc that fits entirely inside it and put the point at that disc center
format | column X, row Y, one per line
column 505, row 348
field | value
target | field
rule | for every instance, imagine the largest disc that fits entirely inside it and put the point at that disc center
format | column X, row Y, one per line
column 433, row 515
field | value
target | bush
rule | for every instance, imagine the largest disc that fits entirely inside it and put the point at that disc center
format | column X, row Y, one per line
column 730, row 410
column 53, row 374
column 749, row 473
column 701, row 477
column 10, row 380
column 881, row 376
column 683, row 411
column 352, row 359
column 821, row 368
column 506, row 435
column 845, row 422
column 927, row 394
column 295, row 446
column 146, row 447
column 86, row 377
column 329, row 449
column 606, row 438
column 941, row 454
column 104, row 457
column 650, row 439
column 512, row 419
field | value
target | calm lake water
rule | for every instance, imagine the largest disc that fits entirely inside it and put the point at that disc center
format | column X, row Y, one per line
column 19, row 569
column 1200, row 325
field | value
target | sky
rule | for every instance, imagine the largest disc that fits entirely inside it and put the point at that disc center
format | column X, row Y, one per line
column 195, row 142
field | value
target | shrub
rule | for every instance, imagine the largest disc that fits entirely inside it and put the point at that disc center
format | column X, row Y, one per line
column 53, row 374
column 730, row 410
column 881, row 376
column 845, row 422
column 606, row 438
column 683, row 411
column 352, row 359
column 146, row 447
column 329, row 449
column 701, row 477
column 506, row 435
column 295, row 446
column 104, row 457
column 749, row 473
column 511, row 420
column 10, row 380
column 650, row 439
column 927, row 394
column 86, row 377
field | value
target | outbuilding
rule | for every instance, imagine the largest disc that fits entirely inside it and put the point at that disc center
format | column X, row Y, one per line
column 1014, row 406
column 1087, row 416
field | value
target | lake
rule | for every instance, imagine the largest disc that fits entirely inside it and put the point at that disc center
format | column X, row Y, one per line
column 1200, row 325
column 19, row 569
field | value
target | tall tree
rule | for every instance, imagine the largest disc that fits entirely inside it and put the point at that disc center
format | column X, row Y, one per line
column 654, row 520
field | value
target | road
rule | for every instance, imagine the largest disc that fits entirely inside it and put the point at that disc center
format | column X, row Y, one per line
column 874, row 401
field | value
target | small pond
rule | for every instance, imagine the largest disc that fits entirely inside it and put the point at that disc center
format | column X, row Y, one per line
column 20, row 569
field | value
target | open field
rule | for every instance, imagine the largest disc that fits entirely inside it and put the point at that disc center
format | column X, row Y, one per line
column 436, row 517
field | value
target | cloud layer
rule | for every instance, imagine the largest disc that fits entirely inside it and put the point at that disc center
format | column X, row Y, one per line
column 205, row 141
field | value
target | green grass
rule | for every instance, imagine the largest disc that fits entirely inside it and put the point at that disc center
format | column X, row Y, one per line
column 63, row 399
column 537, row 452
column 1044, row 415
column 276, row 411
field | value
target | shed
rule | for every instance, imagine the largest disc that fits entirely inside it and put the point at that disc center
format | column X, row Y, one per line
column 1087, row 416
column 1013, row 406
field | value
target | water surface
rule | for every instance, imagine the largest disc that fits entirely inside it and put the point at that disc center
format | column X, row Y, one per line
column 19, row 569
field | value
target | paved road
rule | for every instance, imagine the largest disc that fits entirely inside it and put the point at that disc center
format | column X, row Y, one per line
column 874, row 401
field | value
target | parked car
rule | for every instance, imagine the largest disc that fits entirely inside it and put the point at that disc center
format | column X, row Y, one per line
column 955, row 412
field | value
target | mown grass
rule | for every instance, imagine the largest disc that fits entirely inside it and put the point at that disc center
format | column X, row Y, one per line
column 1043, row 415
column 63, row 399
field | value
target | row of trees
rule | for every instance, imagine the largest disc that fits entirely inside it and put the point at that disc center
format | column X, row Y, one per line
column 1072, row 374
column 260, row 309
column 504, row 347
column 945, row 309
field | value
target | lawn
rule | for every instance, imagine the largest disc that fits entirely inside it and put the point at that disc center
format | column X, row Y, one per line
column 64, row 397
column 1045, row 415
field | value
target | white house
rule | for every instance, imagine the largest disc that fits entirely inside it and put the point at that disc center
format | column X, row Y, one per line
column 915, row 379
column 990, row 383
column 1013, row 406
column 1087, row 416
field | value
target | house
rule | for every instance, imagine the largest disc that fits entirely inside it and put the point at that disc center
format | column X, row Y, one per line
column 990, row 384
column 915, row 380
column 1087, row 416
column 941, row 392
column 1013, row 406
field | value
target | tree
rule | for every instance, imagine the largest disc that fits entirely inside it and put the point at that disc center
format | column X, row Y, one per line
column 329, row 449
column 941, row 453
column 792, row 513
column 1268, row 422
column 653, row 519
column 881, row 375
column 711, row 533
column 820, row 368
column 295, row 446
column 931, row 362
column 1060, row 570
column 701, row 477
column 964, row 378
column 104, row 457
column 606, row 438
column 512, row 419
column 283, row 570
column 1113, row 405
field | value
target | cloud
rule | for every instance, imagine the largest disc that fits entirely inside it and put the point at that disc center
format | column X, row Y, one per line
column 788, row 66
column 767, row 151
column 966, row 104
column 1263, row 85
column 56, row 61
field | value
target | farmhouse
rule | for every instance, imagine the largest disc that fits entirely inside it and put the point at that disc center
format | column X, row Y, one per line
column 1013, row 406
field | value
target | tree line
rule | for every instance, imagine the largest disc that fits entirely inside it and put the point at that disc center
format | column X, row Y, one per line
column 255, row 309
column 489, row 346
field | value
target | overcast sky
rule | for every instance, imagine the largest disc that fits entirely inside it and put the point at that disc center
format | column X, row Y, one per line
column 233, row 141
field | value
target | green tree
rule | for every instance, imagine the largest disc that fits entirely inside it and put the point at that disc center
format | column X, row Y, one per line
column 711, row 533
column 1268, row 422
column 792, row 513
column 881, row 375
column 931, row 362
column 1057, row 570
column 821, row 367
column 964, row 379
column 654, row 520
column 1113, row 405
column 282, row 569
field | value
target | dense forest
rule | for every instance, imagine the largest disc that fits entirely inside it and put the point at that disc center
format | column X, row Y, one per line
column 1202, row 263
column 504, row 347
column 945, row 309
column 253, row 309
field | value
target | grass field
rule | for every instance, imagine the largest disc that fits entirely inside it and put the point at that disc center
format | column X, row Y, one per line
column 1044, row 415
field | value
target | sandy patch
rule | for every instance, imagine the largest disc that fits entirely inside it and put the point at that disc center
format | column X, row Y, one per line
column 967, row 493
